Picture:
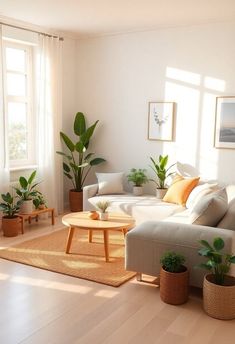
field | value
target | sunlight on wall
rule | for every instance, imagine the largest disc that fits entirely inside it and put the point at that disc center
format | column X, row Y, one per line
column 195, row 118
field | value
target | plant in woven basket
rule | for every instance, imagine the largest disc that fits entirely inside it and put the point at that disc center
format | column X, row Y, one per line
column 218, row 287
column 174, row 279
column 172, row 261
column 102, row 206
column 218, row 262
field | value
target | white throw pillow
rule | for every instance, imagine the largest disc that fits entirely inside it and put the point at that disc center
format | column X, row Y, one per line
column 210, row 209
column 198, row 192
column 110, row 183
column 228, row 221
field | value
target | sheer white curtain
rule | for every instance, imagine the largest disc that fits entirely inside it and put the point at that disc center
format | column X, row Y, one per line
column 4, row 163
column 49, row 120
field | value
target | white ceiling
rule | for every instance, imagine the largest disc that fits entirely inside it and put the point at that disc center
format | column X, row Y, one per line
column 101, row 17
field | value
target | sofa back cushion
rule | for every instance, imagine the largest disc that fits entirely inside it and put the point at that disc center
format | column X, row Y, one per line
column 180, row 189
column 110, row 183
column 210, row 209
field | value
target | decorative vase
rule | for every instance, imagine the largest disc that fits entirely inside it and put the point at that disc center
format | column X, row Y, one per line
column 26, row 207
column 160, row 193
column 76, row 200
column 219, row 300
column 174, row 286
column 103, row 216
column 11, row 226
column 138, row 190
column 93, row 215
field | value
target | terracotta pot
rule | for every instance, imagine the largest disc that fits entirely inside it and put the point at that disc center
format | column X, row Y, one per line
column 138, row 190
column 76, row 200
column 174, row 286
column 160, row 193
column 11, row 226
column 219, row 300
column 26, row 207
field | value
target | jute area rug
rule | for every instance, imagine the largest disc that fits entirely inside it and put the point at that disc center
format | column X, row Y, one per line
column 86, row 260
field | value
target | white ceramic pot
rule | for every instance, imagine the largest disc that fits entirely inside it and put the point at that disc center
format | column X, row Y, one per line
column 26, row 207
column 103, row 216
column 160, row 193
column 138, row 190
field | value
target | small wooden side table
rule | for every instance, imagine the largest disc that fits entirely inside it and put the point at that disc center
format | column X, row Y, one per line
column 35, row 213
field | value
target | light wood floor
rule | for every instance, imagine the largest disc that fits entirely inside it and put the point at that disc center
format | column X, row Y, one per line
column 41, row 307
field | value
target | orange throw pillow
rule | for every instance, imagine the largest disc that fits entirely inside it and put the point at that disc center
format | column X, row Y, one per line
column 180, row 189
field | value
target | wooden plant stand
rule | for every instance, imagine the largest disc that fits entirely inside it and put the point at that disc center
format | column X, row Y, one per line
column 29, row 216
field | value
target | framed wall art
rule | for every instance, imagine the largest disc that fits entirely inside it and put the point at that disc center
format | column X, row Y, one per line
column 225, row 122
column 161, row 121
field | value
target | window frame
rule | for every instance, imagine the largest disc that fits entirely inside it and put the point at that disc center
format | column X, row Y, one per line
column 28, row 99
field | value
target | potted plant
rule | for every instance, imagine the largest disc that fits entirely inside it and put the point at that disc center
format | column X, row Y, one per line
column 138, row 178
column 174, row 279
column 162, row 173
column 218, row 286
column 102, row 206
column 11, row 223
column 27, row 192
column 78, row 163
column 39, row 202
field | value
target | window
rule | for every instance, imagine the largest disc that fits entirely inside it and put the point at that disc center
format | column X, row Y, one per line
column 18, row 74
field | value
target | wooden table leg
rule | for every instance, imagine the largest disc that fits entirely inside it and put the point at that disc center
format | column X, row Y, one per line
column 69, row 239
column 106, row 244
column 90, row 235
column 53, row 217
column 22, row 224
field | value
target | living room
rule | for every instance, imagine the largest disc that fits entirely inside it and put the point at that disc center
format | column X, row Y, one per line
column 117, row 57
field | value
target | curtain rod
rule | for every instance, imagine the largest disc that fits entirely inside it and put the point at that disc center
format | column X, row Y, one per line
column 23, row 28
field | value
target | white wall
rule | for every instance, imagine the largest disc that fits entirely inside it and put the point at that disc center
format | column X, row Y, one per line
column 118, row 75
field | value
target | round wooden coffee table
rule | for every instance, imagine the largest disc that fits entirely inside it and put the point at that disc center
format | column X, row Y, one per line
column 81, row 220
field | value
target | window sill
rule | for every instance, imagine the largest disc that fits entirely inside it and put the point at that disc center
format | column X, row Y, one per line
column 23, row 168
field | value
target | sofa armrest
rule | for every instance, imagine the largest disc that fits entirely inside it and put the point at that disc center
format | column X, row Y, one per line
column 88, row 192
column 146, row 243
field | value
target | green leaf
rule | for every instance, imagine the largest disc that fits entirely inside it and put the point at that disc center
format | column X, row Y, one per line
column 206, row 252
column 232, row 259
column 23, row 182
column 67, row 156
column 67, row 141
column 206, row 244
column 68, row 175
column 66, row 167
column 85, row 164
column 80, row 147
column 85, row 137
column 218, row 244
column 79, row 124
column 89, row 156
column 97, row 161
column 31, row 178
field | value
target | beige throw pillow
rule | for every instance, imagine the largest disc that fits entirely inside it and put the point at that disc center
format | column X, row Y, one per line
column 110, row 183
column 228, row 221
column 199, row 192
column 210, row 209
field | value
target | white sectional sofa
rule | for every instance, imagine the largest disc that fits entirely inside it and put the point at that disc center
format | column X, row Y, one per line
column 162, row 226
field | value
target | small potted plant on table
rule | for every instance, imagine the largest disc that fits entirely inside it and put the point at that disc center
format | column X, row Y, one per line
column 218, row 286
column 11, row 223
column 102, row 206
column 174, row 279
column 138, row 178
column 162, row 173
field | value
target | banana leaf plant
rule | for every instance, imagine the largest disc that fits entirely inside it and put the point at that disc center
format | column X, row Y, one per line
column 78, row 162
column 161, row 171
column 8, row 206
column 26, row 190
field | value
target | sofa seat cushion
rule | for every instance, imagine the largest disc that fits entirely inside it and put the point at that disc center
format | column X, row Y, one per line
column 142, row 208
column 180, row 217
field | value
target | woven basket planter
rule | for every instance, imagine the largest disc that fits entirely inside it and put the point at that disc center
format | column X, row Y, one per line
column 174, row 287
column 219, row 300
